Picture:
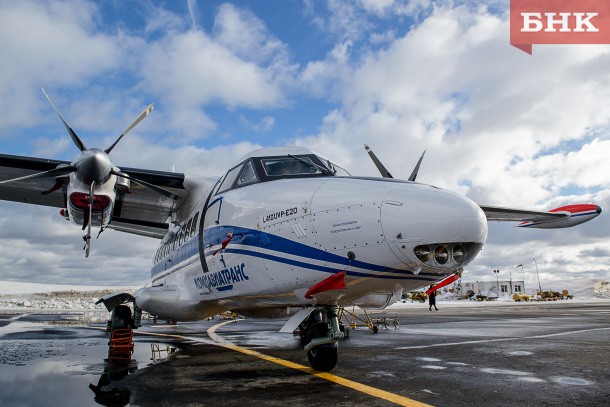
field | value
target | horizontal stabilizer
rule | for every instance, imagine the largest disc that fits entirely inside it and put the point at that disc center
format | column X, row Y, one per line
column 110, row 301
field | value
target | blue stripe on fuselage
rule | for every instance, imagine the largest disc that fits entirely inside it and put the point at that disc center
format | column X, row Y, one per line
column 263, row 240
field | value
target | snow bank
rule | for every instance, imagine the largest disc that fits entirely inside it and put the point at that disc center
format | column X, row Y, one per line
column 14, row 287
column 17, row 295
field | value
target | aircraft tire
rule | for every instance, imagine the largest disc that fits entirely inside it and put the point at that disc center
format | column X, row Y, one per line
column 323, row 357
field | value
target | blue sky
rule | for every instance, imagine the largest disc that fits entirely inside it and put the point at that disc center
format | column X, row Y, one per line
column 500, row 126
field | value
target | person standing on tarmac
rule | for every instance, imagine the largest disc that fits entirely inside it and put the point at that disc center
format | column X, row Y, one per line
column 432, row 299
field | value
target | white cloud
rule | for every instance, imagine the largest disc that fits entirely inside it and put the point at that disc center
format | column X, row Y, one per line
column 46, row 43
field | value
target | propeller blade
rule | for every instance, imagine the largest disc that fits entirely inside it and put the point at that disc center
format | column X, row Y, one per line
column 384, row 172
column 59, row 182
column 416, row 169
column 141, row 117
column 51, row 173
column 88, row 216
column 77, row 141
column 155, row 188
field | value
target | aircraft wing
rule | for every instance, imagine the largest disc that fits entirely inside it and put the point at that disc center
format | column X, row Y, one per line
column 496, row 213
column 140, row 211
column 564, row 216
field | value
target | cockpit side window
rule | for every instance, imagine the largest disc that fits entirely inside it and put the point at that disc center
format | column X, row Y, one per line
column 229, row 180
column 247, row 175
column 337, row 170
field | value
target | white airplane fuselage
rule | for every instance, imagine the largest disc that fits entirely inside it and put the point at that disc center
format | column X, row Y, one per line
column 257, row 249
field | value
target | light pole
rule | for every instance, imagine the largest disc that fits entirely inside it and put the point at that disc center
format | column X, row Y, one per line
column 523, row 272
column 496, row 272
column 510, row 281
column 539, row 286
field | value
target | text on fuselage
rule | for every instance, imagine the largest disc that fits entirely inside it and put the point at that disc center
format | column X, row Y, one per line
column 278, row 215
column 221, row 278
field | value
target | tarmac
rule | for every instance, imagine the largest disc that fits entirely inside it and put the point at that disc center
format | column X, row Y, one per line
column 489, row 354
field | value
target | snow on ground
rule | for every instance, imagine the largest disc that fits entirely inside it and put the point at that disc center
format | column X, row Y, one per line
column 18, row 295
column 32, row 296
column 14, row 287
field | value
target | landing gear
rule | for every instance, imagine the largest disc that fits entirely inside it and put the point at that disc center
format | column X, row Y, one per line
column 320, row 333
column 120, row 327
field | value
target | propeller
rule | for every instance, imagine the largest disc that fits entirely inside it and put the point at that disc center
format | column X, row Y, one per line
column 93, row 168
column 383, row 170
column 92, row 164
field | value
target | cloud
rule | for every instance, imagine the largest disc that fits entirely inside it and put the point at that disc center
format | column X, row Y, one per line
column 46, row 43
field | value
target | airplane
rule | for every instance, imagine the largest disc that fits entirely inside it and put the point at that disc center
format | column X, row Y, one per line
column 284, row 232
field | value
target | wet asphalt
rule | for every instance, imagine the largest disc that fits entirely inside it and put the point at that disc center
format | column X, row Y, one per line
column 494, row 355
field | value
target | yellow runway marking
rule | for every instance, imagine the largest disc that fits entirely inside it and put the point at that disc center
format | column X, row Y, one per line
column 372, row 391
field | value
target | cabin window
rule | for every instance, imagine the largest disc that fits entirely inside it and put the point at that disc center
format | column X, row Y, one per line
column 194, row 225
column 187, row 229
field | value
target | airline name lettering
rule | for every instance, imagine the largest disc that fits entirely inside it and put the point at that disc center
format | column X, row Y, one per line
column 222, row 278
column 278, row 215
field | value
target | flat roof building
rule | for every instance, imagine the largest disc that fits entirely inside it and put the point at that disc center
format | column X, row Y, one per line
column 494, row 289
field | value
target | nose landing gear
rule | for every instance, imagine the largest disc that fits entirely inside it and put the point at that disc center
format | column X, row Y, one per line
column 320, row 333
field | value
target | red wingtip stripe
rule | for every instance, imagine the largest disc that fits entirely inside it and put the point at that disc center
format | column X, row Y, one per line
column 576, row 208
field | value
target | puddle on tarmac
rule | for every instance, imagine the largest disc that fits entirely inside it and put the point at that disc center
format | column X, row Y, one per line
column 42, row 365
column 505, row 371
column 519, row 353
column 571, row 381
column 429, row 359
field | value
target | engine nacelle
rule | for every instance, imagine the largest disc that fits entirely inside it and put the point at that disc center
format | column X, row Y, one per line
column 78, row 202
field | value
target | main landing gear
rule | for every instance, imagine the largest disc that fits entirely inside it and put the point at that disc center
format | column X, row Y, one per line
column 319, row 333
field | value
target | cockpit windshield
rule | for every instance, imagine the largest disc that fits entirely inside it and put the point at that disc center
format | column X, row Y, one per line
column 281, row 166
column 262, row 169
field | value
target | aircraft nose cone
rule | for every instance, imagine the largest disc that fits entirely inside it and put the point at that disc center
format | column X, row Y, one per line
column 421, row 214
column 598, row 209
